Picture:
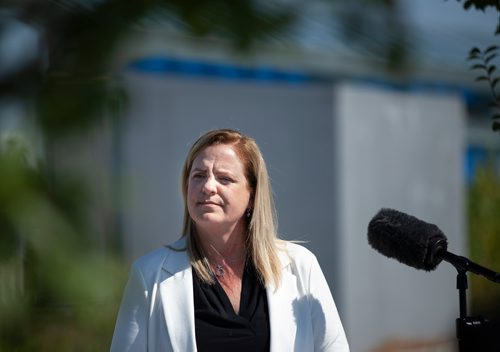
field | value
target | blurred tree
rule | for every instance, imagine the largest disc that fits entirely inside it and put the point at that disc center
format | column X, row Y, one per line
column 483, row 62
column 484, row 241
column 483, row 59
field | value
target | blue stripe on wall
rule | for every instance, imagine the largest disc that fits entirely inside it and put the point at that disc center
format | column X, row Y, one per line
column 196, row 68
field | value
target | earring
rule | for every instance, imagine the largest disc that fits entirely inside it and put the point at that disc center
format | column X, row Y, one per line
column 248, row 213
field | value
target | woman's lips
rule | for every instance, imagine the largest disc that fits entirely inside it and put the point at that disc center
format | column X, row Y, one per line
column 207, row 202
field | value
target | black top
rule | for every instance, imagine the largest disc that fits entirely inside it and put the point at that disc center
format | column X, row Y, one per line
column 219, row 328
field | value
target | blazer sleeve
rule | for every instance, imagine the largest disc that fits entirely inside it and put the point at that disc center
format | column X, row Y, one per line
column 131, row 325
column 328, row 331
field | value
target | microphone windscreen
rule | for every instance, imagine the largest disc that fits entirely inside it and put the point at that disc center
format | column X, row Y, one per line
column 407, row 239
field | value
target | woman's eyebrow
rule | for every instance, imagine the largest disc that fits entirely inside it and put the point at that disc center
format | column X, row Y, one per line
column 225, row 171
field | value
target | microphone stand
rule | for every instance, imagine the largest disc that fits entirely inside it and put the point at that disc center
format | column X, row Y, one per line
column 472, row 332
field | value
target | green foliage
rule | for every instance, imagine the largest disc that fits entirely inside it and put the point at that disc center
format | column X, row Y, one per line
column 484, row 240
column 57, row 293
column 483, row 62
column 482, row 5
column 483, row 59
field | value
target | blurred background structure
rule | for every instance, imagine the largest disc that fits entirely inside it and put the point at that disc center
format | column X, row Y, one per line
column 356, row 106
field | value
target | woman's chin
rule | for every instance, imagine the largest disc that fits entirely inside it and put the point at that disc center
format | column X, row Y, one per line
column 208, row 219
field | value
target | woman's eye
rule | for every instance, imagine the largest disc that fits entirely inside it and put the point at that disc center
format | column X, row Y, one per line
column 198, row 176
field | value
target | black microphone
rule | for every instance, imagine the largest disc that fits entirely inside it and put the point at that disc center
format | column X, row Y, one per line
column 407, row 239
column 417, row 243
column 423, row 246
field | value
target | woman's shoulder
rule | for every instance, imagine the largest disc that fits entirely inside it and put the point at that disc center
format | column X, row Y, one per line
column 156, row 257
column 297, row 248
column 297, row 253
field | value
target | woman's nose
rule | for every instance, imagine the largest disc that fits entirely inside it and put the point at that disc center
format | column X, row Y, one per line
column 209, row 187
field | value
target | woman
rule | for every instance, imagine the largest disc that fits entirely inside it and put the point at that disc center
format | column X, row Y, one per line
column 229, row 283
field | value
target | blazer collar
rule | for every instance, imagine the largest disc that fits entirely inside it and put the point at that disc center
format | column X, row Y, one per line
column 176, row 293
column 177, row 260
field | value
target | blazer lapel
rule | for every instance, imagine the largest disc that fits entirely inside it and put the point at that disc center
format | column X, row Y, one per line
column 176, row 294
column 282, row 317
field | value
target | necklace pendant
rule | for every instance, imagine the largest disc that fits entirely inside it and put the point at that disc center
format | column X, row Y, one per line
column 219, row 271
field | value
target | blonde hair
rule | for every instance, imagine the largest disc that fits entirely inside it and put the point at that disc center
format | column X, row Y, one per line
column 262, row 241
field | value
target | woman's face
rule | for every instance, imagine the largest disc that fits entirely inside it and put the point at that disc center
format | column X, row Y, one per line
column 218, row 192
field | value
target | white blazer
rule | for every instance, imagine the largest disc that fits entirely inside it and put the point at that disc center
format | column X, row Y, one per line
column 157, row 310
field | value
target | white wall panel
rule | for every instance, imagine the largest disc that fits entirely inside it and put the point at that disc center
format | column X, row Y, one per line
column 402, row 151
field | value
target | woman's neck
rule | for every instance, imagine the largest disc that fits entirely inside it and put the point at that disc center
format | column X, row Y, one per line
column 227, row 243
